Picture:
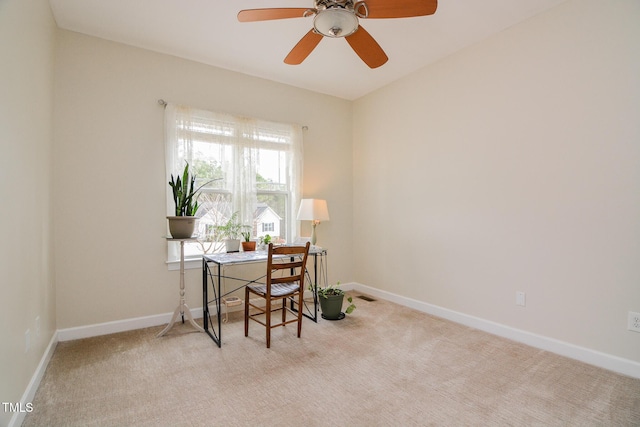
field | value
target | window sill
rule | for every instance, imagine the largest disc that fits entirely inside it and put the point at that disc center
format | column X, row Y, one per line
column 189, row 264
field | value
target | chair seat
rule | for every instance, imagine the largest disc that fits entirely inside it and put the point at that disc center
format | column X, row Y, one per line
column 277, row 290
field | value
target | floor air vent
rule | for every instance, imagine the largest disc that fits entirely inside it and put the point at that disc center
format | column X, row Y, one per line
column 366, row 298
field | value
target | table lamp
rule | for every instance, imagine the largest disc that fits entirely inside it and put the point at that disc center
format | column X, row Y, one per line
column 314, row 210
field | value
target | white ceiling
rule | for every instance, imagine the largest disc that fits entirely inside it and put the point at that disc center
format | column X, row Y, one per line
column 208, row 31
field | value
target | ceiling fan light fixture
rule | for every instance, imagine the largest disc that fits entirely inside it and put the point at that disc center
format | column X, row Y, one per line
column 335, row 22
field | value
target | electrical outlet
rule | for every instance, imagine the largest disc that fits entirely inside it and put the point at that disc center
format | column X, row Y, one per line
column 27, row 340
column 520, row 298
column 634, row 321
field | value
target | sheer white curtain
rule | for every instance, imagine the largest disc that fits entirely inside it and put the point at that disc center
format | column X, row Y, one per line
column 236, row 144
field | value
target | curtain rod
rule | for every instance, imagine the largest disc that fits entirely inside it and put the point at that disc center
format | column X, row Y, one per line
column 164, row 104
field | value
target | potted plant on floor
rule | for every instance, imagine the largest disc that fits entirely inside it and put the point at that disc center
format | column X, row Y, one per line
column 231, row 232
column 331, row 299
column 248, row 245
column 185, row 198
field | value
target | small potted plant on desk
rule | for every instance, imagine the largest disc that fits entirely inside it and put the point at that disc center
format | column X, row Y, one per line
column 231, row 231
column 248, row 245
column 264, row 242
column 331, row 299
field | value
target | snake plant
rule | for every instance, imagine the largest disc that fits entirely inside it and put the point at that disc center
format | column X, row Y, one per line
column 185, row 195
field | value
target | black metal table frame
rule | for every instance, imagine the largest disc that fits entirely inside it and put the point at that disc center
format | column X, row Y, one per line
column 216, row 279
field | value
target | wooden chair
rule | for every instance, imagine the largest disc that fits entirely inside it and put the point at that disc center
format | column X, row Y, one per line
column 285, row 282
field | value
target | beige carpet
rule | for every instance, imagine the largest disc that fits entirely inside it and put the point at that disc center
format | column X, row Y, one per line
column 385, row 365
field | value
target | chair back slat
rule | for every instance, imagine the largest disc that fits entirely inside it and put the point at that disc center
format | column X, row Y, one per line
column 285, row 265
column 284, row 279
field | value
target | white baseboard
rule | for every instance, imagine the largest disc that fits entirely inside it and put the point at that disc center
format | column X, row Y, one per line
column 116, row 326
column 98, row 329
column 32, row 387
column 586, row 355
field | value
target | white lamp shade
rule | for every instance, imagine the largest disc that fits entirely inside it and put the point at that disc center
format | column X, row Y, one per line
column 313, row 210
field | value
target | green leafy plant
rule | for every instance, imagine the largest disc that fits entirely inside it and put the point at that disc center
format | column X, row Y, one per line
column 246, row 235
column 333, row 290
column 185, row 195
column 266, row 239
column 232, row 229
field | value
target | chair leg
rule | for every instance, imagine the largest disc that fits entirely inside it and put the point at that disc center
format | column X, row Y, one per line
column 284, row 310
column 246, row 312
column 299, row 314
column 268, row 322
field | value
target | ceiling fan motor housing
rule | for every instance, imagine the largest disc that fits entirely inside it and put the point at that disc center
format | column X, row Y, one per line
column 338, row 18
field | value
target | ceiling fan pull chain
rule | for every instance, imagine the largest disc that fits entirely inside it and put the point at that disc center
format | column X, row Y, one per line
column 361, row 9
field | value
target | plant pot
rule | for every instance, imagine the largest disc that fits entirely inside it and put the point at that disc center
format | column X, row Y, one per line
column 181, row 227
column 232, row 245
column 248, row 246
column 332, row 307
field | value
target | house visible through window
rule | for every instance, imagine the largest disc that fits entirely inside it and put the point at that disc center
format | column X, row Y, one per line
column 251, row 170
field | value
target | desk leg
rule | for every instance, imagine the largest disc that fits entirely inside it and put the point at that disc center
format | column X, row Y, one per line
column 211, row 331
column 314, row 291
column 219, row 306
column 205, row 296
column 315, row 288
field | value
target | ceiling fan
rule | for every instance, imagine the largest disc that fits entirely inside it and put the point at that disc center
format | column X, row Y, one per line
column 339, row 18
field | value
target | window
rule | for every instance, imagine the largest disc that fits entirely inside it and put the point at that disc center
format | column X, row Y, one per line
column 268, row 228
column 251, row 168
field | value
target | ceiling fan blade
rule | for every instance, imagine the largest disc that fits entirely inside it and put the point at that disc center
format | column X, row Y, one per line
column 304, row 47
column 250, row 15
column 367, row 48
column 400, row 8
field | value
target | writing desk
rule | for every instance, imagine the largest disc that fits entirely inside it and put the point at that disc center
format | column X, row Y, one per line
column 213, row 272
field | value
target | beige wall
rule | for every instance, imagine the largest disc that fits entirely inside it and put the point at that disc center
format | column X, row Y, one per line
column 26, row 275
column 109, row 182
column 513, row 165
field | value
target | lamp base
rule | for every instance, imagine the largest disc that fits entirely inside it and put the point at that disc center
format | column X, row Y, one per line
column 313, row 234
